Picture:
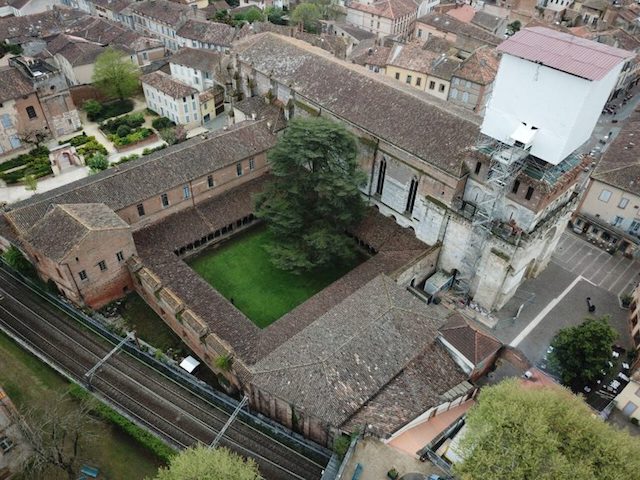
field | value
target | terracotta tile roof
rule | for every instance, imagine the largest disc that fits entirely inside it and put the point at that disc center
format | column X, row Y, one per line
column 475, row 345
column 64, row 227
column 14, row 84
column 76, row 50
column 486, row 21
column 113, row 5
column 464, row 13
column 167, row 84
column 200, row 59
column 449, row 24
column 387, row 8
column 170, row 13
column 419, row 387
column 412, row 56
column 106, row 32
column 481, row 67
column 43, row 24
column 397, row 114
column 620, row 164
column 565, row 52
column 438, row 45
column 367, row 53
column 138, row 180
column 208, row 32
column 263, row 110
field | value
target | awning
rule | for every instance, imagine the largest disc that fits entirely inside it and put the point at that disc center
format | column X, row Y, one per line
column 189, row 364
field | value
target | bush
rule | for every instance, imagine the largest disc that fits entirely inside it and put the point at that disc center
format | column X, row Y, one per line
column 92, row 107
column 341, row 445
column 144, row 438
column 149, row 151
column 92, row 147
column 162, row 123
column 111, row 109
column 77, row 140
column 36, row 163
column 134, row 137
column 132, row 121
column 98, row 162
column 127, row 158
column 16, row 260
column 123, row 130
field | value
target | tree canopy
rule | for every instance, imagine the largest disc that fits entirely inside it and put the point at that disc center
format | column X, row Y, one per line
column 203, row 463
column 115, row 75
column 542, row 433
column 307, row 14
column 314, row 196
column 581, row 352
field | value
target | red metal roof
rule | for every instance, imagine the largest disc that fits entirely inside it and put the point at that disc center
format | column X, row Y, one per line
column 562, row 51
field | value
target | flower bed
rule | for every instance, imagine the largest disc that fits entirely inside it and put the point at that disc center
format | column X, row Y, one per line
column 126, row 130
column 137, row 135
column 91, row 147
column 36, row 163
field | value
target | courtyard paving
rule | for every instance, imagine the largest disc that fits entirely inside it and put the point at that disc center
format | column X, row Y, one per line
column 557, row 297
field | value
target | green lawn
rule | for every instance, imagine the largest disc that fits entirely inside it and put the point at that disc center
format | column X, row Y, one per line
column 30, row 383
column 147, row 324
column 241, row 271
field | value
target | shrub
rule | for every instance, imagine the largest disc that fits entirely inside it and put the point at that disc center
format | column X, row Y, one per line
column 111, row 109
column 341, row 445
column 31, row 182
column 144, row 438
column 162, row 123
column 92, row 107
column 223, row 362
column 92, row 147
column 98, row 162
column 76, row 141
column 35, row 163
column 132, row 121
column 16, row 260
column 127, row 158
column 134, row 137
column 149, row 151
column 123, row 130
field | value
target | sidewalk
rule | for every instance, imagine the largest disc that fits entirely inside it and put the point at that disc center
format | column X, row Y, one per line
column 17, row 193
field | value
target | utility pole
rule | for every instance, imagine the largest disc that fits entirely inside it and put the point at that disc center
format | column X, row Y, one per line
column 89, row 375
column 233, row 416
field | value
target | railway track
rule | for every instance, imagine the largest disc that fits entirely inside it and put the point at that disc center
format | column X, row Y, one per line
column 144, row 394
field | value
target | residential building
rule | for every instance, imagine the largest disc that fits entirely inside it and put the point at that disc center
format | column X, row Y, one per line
column 22, row 8
column 171, row 98
column 423, row 69
column 465, row 36
column 14, row 450
column 372, row 57
column 74, row 56
column 472, row 82
column 205, row 34
column 161, row 19
column 20, row 110
column 609, row 212
column 383, row 17
column 491, row 23
column 23, row 30
column 593, row 11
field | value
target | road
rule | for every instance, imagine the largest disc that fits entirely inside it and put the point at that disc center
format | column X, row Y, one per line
column 556, row 298
column 141, row 393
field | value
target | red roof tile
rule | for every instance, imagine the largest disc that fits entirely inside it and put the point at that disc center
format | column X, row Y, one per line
column 565, row 52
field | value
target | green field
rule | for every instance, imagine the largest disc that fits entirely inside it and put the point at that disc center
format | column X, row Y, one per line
column 241, row 271
column 30, row 384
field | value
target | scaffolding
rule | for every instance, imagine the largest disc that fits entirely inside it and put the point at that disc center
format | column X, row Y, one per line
column 506, row 163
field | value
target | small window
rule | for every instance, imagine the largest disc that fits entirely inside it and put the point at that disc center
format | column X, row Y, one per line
column 31, row 112
column 418, row 81
column 82, row 274
column 478, row 167
column 441, row 87
column 409, row 79
column 529, row 193
column 432, row 85
column 605, row 195
column 516, row 186
column 120, row 256
column 623, row 203
column 239, row 168
column 165, row 200
column 210, row 181
column 5, row 444
column 252, row 164
column 397, row 75
column 103, row 265
column 140, row 210
column 617, row 221
column 186, row 192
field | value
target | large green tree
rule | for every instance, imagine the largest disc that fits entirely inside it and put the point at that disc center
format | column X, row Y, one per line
column 115, row 75
column 545, row 433
column 314, row 196
column 581, row 352
column 307, row 14
column 202, row 463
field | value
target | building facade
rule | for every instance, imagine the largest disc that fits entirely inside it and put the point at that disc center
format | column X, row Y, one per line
column 383, row 17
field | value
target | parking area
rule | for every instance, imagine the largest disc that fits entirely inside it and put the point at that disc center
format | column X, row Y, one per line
column 557, row 297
